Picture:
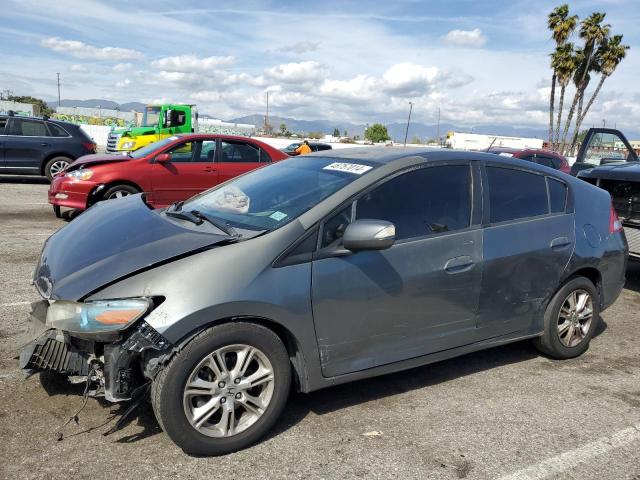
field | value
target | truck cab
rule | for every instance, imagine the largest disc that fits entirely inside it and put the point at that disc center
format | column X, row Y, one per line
column 158, row 122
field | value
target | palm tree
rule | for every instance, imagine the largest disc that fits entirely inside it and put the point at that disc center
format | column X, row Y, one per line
column 563, row 62
column 593, row 32
column 562, row 26
column 610, row 53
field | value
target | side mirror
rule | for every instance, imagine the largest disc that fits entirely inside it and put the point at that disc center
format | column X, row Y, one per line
column 167, row 118
column 163, row 158
column 369, row 235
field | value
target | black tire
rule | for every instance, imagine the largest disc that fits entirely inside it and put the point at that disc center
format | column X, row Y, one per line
column 56, row 163
column 168, row 387
column 123, row 189
column 550, row 343
column 57, row 212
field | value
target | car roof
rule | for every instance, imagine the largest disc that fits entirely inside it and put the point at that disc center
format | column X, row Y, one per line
column 41, row 119
column 384, row 155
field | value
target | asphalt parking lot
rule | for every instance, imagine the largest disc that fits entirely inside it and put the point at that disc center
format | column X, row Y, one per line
column 502, row 413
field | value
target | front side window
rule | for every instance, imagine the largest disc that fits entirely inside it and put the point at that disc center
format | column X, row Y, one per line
column 3, row 124
column 607, row 146
column 421, row 202
column 514, row 194
column 28, row 128
column 184, row 152
column 267, row 198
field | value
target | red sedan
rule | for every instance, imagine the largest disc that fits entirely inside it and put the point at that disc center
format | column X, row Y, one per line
column 548, row 158
column 167, row 171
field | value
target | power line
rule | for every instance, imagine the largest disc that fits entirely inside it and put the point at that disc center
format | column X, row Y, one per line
column 58, row 74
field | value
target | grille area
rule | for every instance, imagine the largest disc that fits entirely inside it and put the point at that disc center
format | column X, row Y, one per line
column 112, row 142
column 50, row 354
column 633, row 238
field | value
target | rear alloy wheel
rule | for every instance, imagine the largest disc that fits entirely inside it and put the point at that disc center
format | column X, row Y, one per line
column 224, row 390
column 570, row 320
column 55, row 166
column 119, row 191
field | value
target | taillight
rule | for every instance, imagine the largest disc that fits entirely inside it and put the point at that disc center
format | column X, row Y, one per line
column 89, row 146
column 614, row 222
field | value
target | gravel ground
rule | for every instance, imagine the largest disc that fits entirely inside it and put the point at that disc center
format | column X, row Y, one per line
column 506, row 412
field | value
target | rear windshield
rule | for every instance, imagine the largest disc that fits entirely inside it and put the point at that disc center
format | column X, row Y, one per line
column 272, row 196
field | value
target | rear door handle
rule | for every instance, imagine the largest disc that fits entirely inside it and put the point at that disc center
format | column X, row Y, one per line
column 209, row 169
column 560, row 242
column 45, row 144
column 459, row 264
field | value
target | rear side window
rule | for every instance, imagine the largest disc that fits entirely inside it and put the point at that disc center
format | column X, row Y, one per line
column 546, row 161
column 422, row 202
column 237, row 152
column 557, row 195
column 28, row 128
column 57, row 131
column 3, row 123
column 515, row 194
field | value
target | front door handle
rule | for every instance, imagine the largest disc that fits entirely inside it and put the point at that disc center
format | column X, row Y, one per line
column 459, row 264
column 209, row 169
column 560, row 242
column 45, row 144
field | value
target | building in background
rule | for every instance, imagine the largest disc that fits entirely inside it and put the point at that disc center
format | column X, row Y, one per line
column 475, row 141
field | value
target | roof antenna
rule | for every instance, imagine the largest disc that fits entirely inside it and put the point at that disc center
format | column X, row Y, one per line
column 491, row 144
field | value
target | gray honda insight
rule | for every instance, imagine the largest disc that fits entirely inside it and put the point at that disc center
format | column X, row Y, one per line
column 316, row 271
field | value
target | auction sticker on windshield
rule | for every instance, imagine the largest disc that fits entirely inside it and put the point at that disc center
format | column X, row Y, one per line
column 348, row 167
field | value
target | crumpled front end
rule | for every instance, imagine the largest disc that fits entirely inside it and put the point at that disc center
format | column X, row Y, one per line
column 114, row 363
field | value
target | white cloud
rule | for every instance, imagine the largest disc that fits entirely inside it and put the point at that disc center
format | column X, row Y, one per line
column 82, row 50
column 300, row 47
column 296, row 73
column 192, row 63
column 123, row 83
column 78, row 68
column 465, row 38
column 409, row 78
column 122, row 67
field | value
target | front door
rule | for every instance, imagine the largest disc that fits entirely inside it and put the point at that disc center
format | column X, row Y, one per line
column 528, row 241
column 421, row 295
column 189, row 172
column 237, row 157
column 601, row 146
column 3, row 124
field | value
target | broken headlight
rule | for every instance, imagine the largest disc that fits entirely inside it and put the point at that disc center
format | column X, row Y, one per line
column 99, row 316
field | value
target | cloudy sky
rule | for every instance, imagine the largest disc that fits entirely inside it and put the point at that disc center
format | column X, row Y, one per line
column 480, row 62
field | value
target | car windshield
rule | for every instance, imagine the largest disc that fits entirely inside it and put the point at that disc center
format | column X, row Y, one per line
column 152, row 147
column 150, row 117
column 292, row 146
column 270, row 197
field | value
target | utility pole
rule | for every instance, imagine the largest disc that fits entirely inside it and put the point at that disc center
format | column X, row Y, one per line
column 58, row 74
column 438, row 128
column 266, row 117
column 408, row 121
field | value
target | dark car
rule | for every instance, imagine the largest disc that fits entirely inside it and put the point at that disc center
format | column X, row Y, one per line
column 548, row 158
column 315, row 147
column 167, row 171
column 317, row 271
column 40, row 146
column 607, row 160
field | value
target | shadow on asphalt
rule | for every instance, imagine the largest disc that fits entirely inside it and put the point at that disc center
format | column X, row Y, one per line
column 26, row 179
column 633, row 276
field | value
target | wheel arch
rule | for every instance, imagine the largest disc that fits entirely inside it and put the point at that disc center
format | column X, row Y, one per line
column 291, row 343
column 592, row 274
column 98, row 191
column 46, row 159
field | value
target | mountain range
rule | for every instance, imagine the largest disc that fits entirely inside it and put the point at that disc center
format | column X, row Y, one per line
column 396, row 130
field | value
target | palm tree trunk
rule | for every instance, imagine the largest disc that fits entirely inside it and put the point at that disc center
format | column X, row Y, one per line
column 565, row 131
column 556, row 143
column 552, row 101
column 593, row 97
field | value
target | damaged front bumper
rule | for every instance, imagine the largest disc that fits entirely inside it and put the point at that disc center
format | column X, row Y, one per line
column 114, row 368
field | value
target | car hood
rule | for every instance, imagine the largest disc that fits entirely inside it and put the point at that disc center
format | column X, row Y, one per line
column 96, row 159
column 110, row 241
column 615, row 171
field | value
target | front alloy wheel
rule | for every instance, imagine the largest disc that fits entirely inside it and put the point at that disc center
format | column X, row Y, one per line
column 228, row 391
column 224, row 390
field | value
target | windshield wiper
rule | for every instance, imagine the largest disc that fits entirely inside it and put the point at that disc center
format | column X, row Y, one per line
column 194, row 216
column 175, row 206
column 225, row 227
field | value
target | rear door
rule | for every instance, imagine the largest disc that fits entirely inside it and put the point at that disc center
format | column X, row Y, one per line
column 189, row 172
column 27, row 144
column 236, row 157
column 528, row 239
